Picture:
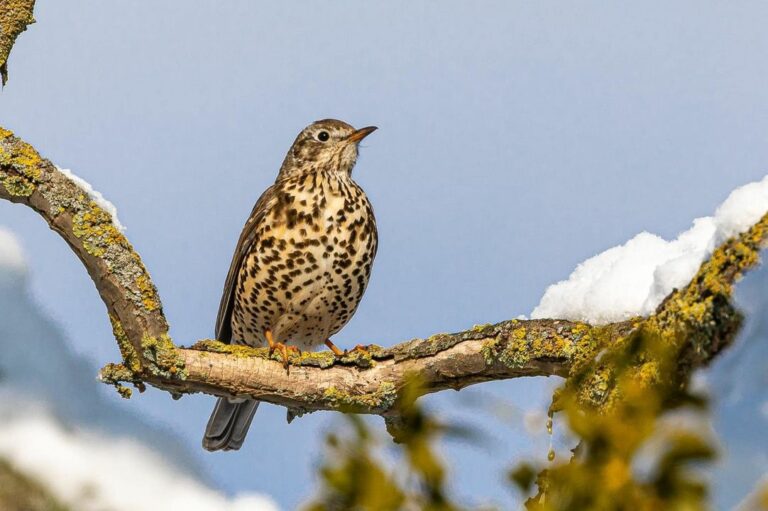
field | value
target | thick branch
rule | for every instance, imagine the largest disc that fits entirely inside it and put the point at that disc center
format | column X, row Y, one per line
column 700, row 315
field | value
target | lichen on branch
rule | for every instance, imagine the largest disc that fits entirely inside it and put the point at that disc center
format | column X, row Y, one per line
column 15, row 15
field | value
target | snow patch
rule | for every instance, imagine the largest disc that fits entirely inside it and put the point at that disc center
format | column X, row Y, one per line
column 632, row 279
column 96, row 196
column 92, row 472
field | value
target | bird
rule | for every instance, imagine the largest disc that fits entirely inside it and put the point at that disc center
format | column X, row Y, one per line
column 302, row 262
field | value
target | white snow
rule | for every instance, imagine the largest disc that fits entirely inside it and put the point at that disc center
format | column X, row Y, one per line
column 633, row 279
column 96, row 196
column 11, row 255
column 92, row 472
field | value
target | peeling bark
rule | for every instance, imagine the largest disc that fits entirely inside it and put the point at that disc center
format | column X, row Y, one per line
column 699, row 319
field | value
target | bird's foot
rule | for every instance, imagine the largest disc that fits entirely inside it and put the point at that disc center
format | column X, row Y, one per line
column 282, row 348
column 361, row 349
column 336, row 351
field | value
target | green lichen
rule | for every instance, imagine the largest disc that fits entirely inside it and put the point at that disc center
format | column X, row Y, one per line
column 94, row 227
column 20, row 166
column 162, row 357
column 517, row 344
column 148, row 292
column 438, row 338
column 130, row 356
column 489, row 350
column 158, row 357
column 19, row 186
column 518, row 350
column 115, row 374
column 382, row 399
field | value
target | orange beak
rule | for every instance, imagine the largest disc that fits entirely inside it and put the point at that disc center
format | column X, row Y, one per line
column 360, row 134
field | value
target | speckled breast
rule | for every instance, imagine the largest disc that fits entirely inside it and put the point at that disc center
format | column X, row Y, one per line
column 306, row 273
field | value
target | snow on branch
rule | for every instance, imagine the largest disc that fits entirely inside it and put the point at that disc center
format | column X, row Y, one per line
column 698, row 317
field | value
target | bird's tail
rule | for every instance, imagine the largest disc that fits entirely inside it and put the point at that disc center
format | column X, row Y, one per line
column 229, row 424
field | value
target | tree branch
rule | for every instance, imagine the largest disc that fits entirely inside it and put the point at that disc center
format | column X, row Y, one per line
column 15, row 15
column 699, row 317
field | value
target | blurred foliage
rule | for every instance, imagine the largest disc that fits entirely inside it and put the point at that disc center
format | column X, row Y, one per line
column 603, row 473
column 620, row 404
column 626, row 458
column 355, row 477
column 19, row 492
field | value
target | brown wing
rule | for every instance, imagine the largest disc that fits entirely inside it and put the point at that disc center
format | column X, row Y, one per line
column 244, row 244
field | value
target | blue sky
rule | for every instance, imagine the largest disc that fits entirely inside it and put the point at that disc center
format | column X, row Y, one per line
column 516, row 139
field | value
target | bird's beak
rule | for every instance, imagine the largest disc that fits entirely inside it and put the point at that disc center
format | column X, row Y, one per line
column 360, row 134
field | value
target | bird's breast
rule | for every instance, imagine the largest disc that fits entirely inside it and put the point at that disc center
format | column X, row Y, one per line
column 308, row 270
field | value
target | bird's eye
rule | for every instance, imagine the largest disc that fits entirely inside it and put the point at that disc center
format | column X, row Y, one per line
column 323, row 136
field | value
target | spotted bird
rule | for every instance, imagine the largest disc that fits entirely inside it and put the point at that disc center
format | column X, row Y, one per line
column 301, row 264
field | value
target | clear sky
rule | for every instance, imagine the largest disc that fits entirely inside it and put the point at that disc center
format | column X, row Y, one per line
column 516, row 139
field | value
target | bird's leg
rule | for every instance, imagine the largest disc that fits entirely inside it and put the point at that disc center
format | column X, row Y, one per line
column 270, row 340
column 335, row 349
column 280, row 346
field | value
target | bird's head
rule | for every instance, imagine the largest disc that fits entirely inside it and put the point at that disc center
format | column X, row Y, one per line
column 327, row 145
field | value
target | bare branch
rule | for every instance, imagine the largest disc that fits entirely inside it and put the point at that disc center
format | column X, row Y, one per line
column 699, row 317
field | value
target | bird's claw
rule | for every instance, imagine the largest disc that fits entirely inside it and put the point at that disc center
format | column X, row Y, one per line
column 360, row 349
column 338, row 353
column 282, row 348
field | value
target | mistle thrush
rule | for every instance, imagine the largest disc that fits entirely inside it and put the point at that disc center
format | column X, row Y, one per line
column 301, row 264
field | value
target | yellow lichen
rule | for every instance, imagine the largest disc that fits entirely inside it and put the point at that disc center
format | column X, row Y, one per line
column 19, row 166
column 18, row 186
column 161, row 353
column 94, row 227
column 148, row 292
column 481, row 328
column 130, row 357
column 382, row 399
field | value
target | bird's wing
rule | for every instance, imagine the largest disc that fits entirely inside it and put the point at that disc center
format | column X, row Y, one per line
column 247, row 238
